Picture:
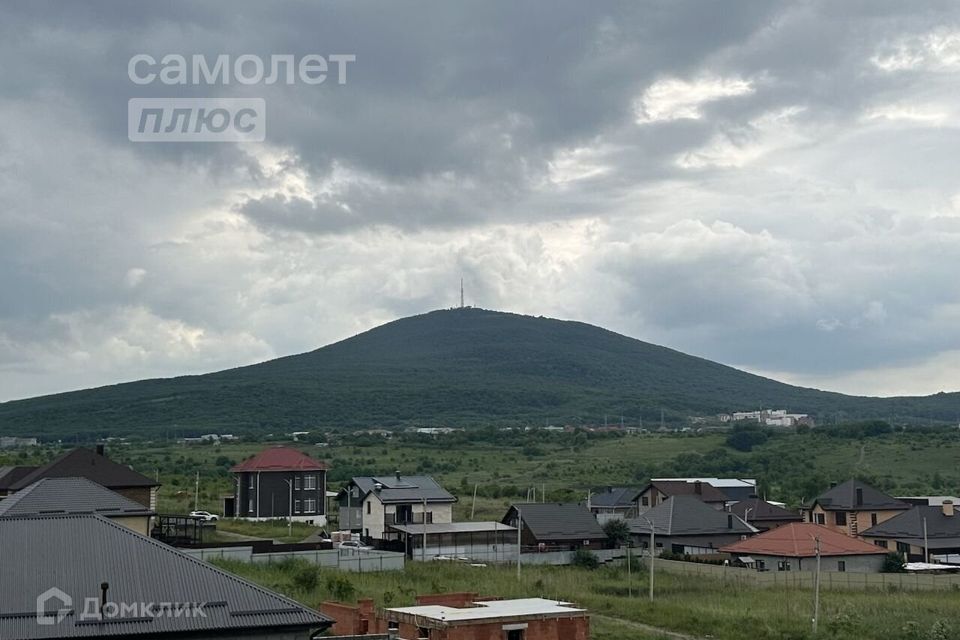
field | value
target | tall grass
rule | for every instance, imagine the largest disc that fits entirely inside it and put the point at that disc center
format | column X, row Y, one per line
column 694, row 605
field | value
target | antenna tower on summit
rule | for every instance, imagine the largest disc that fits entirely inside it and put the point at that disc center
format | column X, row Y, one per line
column 461, row 293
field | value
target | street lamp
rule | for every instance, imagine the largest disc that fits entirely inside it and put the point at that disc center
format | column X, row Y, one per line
column 290, row 508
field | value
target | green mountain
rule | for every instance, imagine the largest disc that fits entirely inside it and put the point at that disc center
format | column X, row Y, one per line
column 460, row 367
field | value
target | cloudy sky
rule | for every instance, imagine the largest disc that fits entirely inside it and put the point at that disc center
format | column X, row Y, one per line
column 773, row 186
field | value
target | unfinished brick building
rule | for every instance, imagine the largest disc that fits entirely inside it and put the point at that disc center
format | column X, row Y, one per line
column 464, row 616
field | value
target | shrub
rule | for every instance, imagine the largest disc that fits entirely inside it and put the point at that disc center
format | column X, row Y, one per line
column 306, row 578
column 893, row 563
column 617, row 530
column 341, row 588
column 585, row 559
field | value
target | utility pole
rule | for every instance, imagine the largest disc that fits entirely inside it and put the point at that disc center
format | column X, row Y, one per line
column 519, row 528
column 816, row 588
column 653, row 551
column 196, row 494
column 926, row 544
column 423, row 552
column 629, row 571
column 461, row 293
column 473, row 508
column 289, row 506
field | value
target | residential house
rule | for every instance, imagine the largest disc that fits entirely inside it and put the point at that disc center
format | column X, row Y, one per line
column 733, row 488
column 95, row 465
column 762, row 514
column 852, row 507
column 793, row 547
column 658, row 491
column 465, row 616
column 9, row 476
column 936, row 527
column 613, row 502
column 551, row 526
column 71, row 496
column 373, row 505
column 139, row 588
column 281, row 482
column 931, row 501
column 687, row 525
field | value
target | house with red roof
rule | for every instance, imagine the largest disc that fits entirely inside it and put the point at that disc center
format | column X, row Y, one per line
column 281, row 482
column 793, row 547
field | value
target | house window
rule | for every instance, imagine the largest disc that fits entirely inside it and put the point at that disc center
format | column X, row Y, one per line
column 393, row 625
column 250, row 481
column 903, row 547
column 296, row 482
column 880, row 543
column 840, row 517
column 368, row 508
column 820, row 519
column 515, row 634
column 423, row 633
column 310, row 483
column 873, row 519
column 841, row 565
column 645, row 501
column 310, row 506
column 296, row 506
column 783, row 565
column 250, row 506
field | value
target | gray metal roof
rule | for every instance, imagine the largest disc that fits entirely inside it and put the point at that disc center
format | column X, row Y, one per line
column 843, row 497
column 759, row 510
column 68, row 496
column 557, row 521
column 615, row 497
column 403, row 489
column 453, row 527
column 83, row 462
column 688, row 516
column 75, row 553
column 11, row 475
column 910, row 525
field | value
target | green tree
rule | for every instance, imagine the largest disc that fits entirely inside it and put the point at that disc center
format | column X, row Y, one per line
column 617, row 530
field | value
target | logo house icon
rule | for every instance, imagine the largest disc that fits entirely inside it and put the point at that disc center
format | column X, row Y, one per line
column 53, row 605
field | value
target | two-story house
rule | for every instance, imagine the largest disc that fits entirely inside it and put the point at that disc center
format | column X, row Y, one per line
column 659, row 491
column 852, row 507
column 371, row 505
column 93, row 465
column 281, row 482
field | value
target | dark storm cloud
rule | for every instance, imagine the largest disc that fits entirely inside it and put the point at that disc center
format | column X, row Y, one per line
column 768, row 184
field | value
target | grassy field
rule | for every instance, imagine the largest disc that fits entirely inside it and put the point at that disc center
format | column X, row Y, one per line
column 691, row 605
column 790, row 467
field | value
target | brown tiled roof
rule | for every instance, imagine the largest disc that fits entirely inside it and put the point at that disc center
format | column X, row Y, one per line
column 280, row 459
column 670, row 488
column 796, row 540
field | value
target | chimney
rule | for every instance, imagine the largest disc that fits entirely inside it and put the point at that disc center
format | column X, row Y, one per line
column 729, row 521
column 397, row 473
column 100, row 450
column 698, row 488
column 859, row 496
column 947, row 508
column 833, row 484
column 103, row 596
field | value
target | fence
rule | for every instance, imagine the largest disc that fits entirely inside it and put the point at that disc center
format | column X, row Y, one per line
column 804, row 579
column 356, row 560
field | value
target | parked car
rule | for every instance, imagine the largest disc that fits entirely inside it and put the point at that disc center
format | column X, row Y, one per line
column 354, row 544
column 206, row 516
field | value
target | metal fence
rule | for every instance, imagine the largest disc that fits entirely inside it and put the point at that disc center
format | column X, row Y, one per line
column 804, row 579
column 356, row 560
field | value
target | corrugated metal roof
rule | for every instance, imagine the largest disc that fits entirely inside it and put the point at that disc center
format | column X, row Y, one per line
column 76, row 553
column 843, row 497
column 758, row 510
column 82, row 462
column 910, row 524
column 403, row 489
column 687, row 516
column 615, row 497
column 453, row 527
column 556, row 521
column 68, row 496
